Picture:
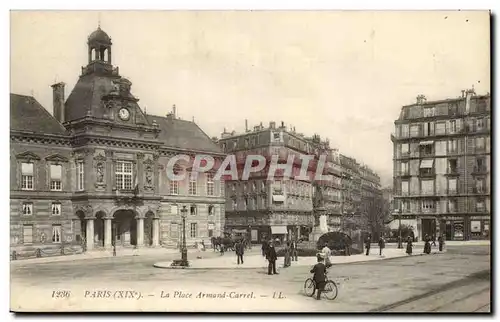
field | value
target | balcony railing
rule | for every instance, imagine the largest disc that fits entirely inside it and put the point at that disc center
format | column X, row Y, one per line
column 427, row 173
column 480, row 169
column 479, row 190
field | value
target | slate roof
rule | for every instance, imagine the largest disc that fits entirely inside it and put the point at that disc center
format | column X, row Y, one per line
column 183, row 134
column 27, row 114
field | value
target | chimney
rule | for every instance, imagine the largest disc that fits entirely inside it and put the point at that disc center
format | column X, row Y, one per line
column 58, row 101
column 261, row 126
column 246, row 125
column 272, row 125
column 282, row 124
column 468, row 95
column 174, row 111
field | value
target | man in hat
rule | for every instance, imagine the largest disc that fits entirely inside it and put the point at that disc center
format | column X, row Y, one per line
column 319, row 276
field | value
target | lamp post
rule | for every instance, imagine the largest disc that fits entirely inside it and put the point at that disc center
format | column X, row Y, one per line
column 400, row 241
column 184, row 260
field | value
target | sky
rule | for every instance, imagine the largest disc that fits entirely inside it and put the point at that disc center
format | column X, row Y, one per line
column 342, row 75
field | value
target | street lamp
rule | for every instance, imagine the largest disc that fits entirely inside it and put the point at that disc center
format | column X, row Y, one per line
column 400, row 241
column 184, row 255
column 183, row 262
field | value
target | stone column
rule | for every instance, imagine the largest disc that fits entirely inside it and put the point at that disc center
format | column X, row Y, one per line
column 140, row 232
column 107, row 233
column 156, row 232
column 90, row 233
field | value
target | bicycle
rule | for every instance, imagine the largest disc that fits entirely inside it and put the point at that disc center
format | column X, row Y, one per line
column 330, row 290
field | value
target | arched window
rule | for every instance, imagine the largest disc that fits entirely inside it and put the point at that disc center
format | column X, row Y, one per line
column 193, row 210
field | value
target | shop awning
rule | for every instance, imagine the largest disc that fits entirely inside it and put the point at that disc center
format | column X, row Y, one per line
column 427, row 163
column 426, row 142
column 279, row 198
column 239, row 231
column 279, row 230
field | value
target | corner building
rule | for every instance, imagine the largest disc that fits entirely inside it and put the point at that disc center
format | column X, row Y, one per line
column 442, row 166
column 94, row 172
column 280, row 208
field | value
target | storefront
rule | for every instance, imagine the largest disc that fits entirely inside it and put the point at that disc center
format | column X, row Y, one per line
column 479, row 227
column 279, row 233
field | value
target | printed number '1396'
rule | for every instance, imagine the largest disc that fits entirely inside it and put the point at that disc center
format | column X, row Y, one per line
column 61, row 294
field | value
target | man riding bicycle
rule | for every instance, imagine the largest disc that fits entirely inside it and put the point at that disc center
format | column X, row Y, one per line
column 319, row 276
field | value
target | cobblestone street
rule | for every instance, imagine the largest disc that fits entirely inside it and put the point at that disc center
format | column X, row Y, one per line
column 363, row 286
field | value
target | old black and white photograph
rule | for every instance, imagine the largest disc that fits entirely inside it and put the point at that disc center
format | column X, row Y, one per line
column 250, row 161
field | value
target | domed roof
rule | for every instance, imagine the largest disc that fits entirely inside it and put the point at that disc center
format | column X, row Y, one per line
column 100, row 36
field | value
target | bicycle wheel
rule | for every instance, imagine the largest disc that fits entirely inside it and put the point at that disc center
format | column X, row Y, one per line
column 309, row 287
column 330, row 290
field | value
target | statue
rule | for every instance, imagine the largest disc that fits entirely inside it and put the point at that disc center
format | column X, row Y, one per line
column 319, row 201
column 149, row 176
column 100, row 172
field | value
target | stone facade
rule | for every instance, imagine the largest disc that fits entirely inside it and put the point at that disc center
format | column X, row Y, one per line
column 94, row 174
column 442, row 166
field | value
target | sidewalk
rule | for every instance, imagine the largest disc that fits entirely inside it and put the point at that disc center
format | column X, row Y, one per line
column 229, row 260
column 446, row 243
column 120, row 252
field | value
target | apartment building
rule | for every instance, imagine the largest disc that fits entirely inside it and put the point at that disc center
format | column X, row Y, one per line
column 281, row 207
column 442, row 166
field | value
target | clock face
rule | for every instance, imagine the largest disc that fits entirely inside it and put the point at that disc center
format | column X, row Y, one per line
column 124, row 114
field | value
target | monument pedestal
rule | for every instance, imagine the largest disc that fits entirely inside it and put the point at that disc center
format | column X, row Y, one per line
column 320, row 228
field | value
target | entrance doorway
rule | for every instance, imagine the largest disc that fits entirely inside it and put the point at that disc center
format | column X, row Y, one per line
column 124, row 228
column 428, row 227
column 99, row 229
column 80, row 227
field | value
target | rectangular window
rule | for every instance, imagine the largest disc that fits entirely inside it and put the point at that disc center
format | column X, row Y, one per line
column 405, row 188
column 452, row 128
column 193, row 210
column 27, row 234
column 480, row 124
column 55, row 177
column 452, row 166
column 480, row 207
column 480, row 185
column 428, row 128
column 452, row 146
column 56, row 233
column 80, row 176
column 123, row 175
column 480, row 165
column 174, row 187
column 415, row 130
column 440, row 128
column 211, row 210
column 27, row 176
column 56, row 209
column 452, row 205
column 452, row 185
column 428, row 205
column 174, row 209
column 427, row 187
column 193, row 231
column 192, row 185
column 211, row 228
column 27, row 208
column 210, row 184
column 246, row 203
column 404, row 168
column 405, row 130
column 405, row 149
column 235, row 204
column 480, row 143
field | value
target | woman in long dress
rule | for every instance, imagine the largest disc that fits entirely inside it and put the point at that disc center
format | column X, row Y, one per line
column 409, row 246
column 287, row 255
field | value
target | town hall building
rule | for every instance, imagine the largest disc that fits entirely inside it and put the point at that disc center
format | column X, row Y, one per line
column 93, row 174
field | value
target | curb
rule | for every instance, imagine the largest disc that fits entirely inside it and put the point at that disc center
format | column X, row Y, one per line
column 156, row 265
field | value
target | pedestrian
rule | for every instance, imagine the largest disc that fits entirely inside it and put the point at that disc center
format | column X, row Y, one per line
column 327, row 252
column 368, row 243
column 202, row 246
column 271, row 257
column 319, row 276
column 264, row 247
column 433, row 240
column 293, row 247
column 409, row 246
column 348, row 247
column 221, row 246
column 287, row 261
column 240, row 250
column 381, row 245
column 427, row 245
column 441, row 243
column 114, row 249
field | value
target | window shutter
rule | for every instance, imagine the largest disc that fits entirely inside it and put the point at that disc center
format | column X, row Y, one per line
column 55, row 172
